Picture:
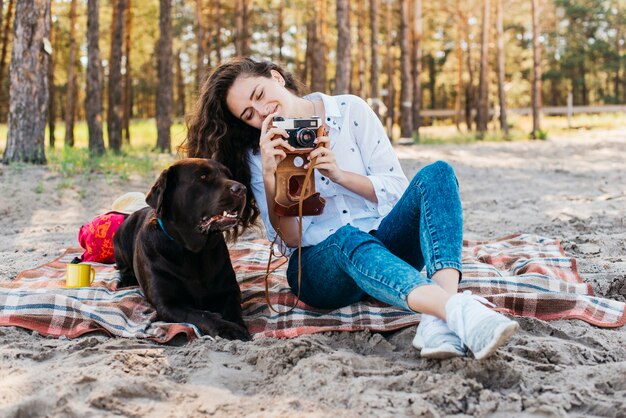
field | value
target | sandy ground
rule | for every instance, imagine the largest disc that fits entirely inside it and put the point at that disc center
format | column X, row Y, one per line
column 571, row 189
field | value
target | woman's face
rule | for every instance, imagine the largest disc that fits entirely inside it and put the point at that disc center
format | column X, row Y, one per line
column 253, row 98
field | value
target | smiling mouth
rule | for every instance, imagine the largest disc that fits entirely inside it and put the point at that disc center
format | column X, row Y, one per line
column 223, row 222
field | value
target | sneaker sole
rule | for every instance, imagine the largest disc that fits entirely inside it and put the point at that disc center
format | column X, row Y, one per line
column 503, row 333
column 418, row 343
column 440, row 353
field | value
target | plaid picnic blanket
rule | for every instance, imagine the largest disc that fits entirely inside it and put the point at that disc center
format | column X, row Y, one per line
column 523, row 275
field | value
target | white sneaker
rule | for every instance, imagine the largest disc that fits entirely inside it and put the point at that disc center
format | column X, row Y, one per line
column 436, row 340
column 480, row 328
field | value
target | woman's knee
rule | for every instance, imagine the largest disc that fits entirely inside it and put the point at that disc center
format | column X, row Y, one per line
column 436, row 173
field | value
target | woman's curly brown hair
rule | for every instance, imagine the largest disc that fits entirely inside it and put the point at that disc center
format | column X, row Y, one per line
column 214, row 132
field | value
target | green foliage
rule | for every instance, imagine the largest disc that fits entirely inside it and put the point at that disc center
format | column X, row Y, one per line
column 540, row 134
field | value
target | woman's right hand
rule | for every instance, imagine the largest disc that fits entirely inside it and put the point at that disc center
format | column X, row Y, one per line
column 271, row 145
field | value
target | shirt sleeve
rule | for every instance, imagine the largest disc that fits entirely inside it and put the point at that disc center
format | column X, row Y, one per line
column 258, row 190
column 381, row 163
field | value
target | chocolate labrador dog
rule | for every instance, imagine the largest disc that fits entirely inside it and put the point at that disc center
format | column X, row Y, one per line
column 175, row 250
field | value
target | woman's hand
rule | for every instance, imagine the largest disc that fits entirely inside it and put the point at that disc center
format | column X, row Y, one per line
column 270, row 143
column 326, row 163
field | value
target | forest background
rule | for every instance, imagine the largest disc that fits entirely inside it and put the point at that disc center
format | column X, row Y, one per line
column 102, row 72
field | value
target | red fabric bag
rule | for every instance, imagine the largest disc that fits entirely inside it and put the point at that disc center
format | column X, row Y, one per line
column 96, row 237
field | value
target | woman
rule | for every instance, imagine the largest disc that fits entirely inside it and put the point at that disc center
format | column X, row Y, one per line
column 377, row 231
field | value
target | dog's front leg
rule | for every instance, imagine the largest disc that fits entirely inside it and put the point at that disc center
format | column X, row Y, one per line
column 231, row 310
column 209, row 323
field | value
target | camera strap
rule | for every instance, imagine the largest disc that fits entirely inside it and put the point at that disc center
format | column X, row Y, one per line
column 309, row 173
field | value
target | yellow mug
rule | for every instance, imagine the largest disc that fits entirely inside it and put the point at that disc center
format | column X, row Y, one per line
column 79, row 275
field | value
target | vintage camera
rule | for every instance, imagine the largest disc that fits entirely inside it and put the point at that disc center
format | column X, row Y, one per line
column 291, row 181
column 302, row 131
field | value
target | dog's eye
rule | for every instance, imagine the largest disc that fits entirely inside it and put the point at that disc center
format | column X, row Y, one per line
column 203, row 177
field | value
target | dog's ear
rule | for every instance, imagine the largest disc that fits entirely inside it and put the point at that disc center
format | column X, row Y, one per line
column 156, row 195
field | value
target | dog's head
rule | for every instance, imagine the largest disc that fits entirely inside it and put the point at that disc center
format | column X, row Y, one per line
column 196, row 196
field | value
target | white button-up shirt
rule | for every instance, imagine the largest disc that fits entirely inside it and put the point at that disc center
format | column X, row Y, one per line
column 360, row 145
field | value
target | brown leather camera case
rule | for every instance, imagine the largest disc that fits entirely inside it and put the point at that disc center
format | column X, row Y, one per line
column 290, row 180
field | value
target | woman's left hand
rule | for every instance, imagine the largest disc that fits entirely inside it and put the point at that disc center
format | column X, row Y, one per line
column 325, row 163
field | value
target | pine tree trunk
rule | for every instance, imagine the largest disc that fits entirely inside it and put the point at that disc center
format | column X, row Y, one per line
column 374, row 92
column 432, row 80
column 28, row 83
column 390, row 88
column 536, row 93
column 483, row 78
column 500, row 45
column 618, row 51
column 280, row 28
column 115, row 109
column 343, row 67
column 70, row 97
column 318, row 53
column 416, row 57
column 406, row 89
column 307, row 73
column 242, row 35
column 128, row 81
column 93, row 100
column 459, row 66
column 51, row 104
column 6, row 34
column 180, row 87
column 216, row 23
column 470, row 91
column 360, row 52
column 164, row 92
column 200, row 43
column 1, row 11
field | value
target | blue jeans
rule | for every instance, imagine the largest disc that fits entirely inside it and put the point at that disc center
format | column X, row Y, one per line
column 425, row 228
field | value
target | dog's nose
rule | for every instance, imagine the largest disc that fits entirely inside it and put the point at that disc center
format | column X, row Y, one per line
column 238, row 189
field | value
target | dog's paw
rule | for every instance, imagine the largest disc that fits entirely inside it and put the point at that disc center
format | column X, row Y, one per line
column 232, row 331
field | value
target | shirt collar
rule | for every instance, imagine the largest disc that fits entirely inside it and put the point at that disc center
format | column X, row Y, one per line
column 331, row 109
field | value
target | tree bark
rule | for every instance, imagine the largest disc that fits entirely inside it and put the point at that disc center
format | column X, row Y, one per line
column 432, row 79
column 242, row 34
column 93, row 100
column 70, row 97
column 128, row 81
column 483, row 78
column 164, row 92
column 280, row 29
column 343, row 67
column 1, row 10
column 406, row 89
column 390, row 87
column 115, row 109
column 536, row 92
column 459, row 66
column 200, row 43
column 28, row 83
column 216, row 23
column 374, row 92
column 318, row 51
column 500, row 51
column 470, row 90
column 6, row 34
column 360, row 53
column 51, row 104
column 416, row 57
column 180, row 87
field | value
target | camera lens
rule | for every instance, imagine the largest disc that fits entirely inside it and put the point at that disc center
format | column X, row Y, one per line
column 305, row 138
